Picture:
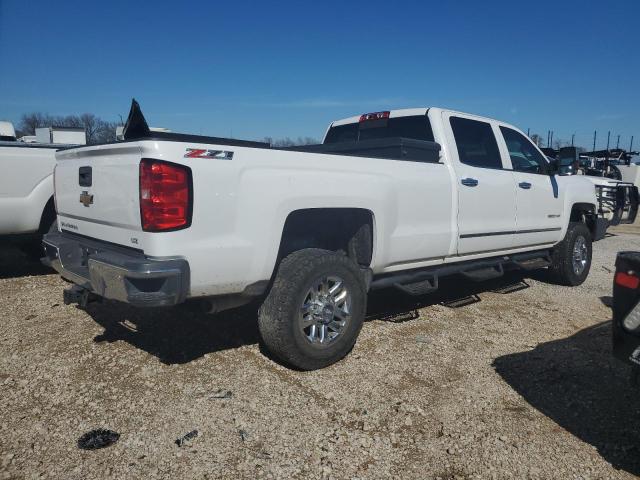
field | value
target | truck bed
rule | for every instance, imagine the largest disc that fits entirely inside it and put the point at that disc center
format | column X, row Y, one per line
column 393, row 148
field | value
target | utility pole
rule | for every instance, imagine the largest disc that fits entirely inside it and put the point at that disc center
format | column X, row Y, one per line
column 606, row 160
column 573, row 135
column 595, row 132
column 631, row 145
column 528, row 133
column 548, row 134
column 551, row 138
column 618, row 142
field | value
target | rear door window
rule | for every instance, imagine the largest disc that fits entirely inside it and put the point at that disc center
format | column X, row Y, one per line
column 476, row 143
column 417, row 127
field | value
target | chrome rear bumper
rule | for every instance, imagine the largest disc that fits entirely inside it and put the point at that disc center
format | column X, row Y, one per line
column 117, row 273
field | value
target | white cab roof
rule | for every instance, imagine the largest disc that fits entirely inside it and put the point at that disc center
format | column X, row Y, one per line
column 404, row 112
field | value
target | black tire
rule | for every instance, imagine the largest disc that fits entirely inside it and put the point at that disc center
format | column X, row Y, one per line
column 52, row 227
column 562, row 266
column 32, row 246
column 279, row 318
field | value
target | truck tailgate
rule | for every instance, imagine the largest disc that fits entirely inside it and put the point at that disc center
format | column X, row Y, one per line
column 97, row 192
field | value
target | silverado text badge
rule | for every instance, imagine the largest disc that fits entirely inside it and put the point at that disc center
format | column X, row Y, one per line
column 86, row 199
column 204, row 153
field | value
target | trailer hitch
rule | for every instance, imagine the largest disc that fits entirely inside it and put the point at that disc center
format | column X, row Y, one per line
column 79, row 295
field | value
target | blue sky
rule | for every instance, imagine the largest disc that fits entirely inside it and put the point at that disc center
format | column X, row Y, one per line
column 288, row 68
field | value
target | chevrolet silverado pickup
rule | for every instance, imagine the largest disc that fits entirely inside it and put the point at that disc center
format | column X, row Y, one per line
column 396, row 199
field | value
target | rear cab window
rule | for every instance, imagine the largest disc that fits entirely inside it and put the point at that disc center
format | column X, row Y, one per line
column 416, row 127
column 476, row 143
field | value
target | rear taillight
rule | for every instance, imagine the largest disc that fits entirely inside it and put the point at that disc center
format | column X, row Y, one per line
column 626, row 280
column 165, row 196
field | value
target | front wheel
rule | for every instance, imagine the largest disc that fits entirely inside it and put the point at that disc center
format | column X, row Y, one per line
column 571, row 258
column 314, row 310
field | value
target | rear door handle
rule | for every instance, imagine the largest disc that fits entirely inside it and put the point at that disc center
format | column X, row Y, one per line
column 469, row 182
column 525, row 185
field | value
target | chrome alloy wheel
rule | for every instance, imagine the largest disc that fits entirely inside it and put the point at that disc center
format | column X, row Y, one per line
column 580, row 255
column 325, row 311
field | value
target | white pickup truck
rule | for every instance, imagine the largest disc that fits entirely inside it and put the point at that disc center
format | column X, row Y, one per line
column 26, row 186
column 390, row 199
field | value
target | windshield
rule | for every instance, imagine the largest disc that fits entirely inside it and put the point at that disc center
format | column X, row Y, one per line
column 413, row 126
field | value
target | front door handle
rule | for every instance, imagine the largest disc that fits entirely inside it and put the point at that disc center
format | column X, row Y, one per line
column 525, row 185
column 469, row 182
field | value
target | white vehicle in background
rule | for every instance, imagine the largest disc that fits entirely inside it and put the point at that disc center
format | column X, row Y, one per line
column 26, row 185
column 61, row 135
column 614, row 177
column 390, row 199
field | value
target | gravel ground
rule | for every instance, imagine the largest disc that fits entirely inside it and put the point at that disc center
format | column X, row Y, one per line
column 496, row 385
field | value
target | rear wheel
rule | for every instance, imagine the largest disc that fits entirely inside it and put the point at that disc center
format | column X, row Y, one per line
column 52, row 227
column 32, row 246
column 571, row 258
column 315, row 309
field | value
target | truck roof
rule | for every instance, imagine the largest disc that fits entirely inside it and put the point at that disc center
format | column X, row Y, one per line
column 405, row 112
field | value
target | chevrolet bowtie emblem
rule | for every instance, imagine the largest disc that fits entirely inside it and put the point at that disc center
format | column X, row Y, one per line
column 86, row 199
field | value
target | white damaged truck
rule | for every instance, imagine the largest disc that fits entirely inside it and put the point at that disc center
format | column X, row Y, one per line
column 390, row 199
column 26, row 187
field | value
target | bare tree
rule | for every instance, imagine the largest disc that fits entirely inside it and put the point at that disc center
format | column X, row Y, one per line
column 105, row 132
column 91, row 123
column 72, row 121
column 288, row 142
column 559, row 143
column 537, row 139
column 30, row 121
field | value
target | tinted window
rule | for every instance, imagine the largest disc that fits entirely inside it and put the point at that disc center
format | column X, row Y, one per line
column 476, row 143
column 342, row 133
column 524, row 156
column 414, row 126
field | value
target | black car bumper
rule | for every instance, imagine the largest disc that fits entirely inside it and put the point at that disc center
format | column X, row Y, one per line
column 626, row 347
column 626, row 309
column 117, row 273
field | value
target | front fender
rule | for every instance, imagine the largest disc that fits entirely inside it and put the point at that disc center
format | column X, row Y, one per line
column 578, row 192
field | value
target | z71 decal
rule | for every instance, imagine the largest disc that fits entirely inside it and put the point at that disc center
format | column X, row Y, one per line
column 203, row 153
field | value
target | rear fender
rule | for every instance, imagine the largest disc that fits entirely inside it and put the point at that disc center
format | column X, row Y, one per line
column 24, row 214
